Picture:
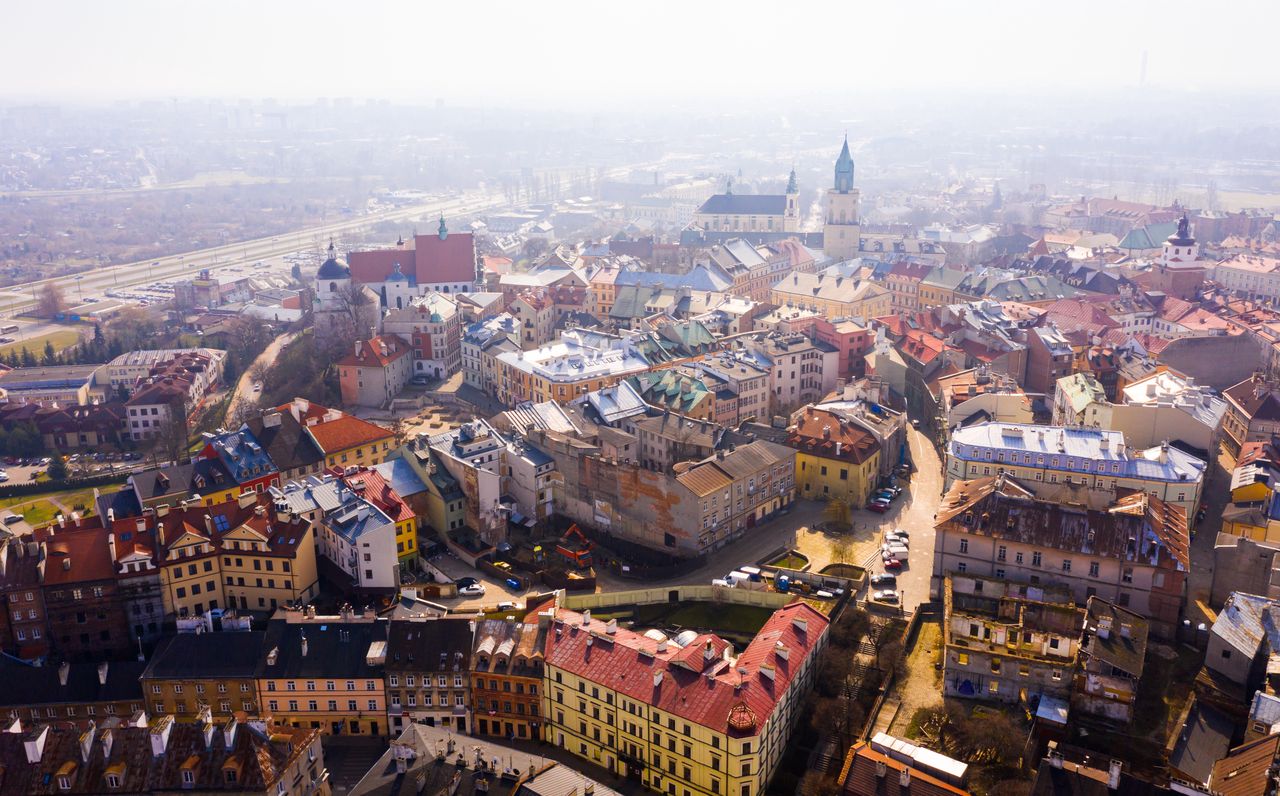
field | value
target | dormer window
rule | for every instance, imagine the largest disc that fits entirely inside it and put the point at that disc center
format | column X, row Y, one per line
column 229, row 775
column 113, row 781
column 188, row 777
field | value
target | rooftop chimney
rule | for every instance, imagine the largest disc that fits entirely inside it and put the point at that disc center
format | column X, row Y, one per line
column 229, row 733
column 86, row 741
column 657, row 678
column 35, row 744
column 304, row 644
column 160, row 730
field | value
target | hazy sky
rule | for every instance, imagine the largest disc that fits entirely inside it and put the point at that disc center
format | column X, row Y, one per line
column 611, row 53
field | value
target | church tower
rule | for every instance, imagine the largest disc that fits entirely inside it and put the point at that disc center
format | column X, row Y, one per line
column 841, row 228
column 791, row 215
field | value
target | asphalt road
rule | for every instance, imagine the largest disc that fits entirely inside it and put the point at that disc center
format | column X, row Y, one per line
column 97, row 281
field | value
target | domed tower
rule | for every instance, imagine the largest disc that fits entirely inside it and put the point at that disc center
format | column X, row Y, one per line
column 842, row 228
column 1180, row 246
column 332, row 295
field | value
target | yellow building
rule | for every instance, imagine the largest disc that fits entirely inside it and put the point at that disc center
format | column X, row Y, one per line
column 375, row 489
column 343, row 440
column 181, row 676
column 325, row 672
column 836, row 458
column 240, row 554
column 832, row 296
column 698, row 719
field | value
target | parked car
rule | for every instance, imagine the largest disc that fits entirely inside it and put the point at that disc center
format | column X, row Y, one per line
column 878, row 506
column 4, row 476
column 510, row 606
column 891, row 562
column 884, row 579
column 893, row 539
column 886, row 494
column 474, row 590
column 901, row 532
column 885, row 596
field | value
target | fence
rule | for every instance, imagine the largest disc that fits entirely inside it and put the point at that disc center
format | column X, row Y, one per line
column 675, row 594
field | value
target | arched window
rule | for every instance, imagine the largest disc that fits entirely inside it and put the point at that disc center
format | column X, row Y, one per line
column 333, row 287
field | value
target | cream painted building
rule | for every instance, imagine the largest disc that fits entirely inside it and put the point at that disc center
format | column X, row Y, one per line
column 1081, row 465
column 695, row 719
column 832, row 296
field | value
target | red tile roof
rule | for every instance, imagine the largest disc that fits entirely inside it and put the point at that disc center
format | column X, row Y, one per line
column 427, row 258
column 380, row 493
column 817, row 432
column 345, row 433
column 371, row 352
column 77, row 556
column 858, row 778
column 628, row 663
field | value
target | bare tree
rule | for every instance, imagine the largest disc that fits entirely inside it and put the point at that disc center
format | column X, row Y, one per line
column 353, row 315
column 841, row 549
column 51, row 301
column 838, row 514
column 173, row 439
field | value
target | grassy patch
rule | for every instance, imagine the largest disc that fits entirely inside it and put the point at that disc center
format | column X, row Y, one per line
column 725, row 617
column 791, row 560
column 41, row 509
column 63, row 338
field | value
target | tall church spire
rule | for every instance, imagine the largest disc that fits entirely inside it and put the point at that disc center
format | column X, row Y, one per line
column 844, row 169
column 793, row 185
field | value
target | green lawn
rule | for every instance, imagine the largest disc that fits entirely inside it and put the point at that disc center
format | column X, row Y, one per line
column 726, row 617
column 41, row 509
column 64, row 338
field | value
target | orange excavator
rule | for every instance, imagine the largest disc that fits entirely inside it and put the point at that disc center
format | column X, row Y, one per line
column 575, row 548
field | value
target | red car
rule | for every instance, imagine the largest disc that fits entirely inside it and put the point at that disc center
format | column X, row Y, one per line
column 892, row 563
column 878, row 507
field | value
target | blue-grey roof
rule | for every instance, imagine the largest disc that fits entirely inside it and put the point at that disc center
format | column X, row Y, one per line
column 698, row 278
column 402, row 477
column 1082, row 446
column 745, row 204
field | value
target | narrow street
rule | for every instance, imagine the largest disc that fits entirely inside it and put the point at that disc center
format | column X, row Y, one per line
column 244, row 387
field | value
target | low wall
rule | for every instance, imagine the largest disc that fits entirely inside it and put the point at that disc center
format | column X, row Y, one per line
column 691, row 593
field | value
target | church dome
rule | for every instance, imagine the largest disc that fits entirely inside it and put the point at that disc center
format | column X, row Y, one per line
column 332, row 268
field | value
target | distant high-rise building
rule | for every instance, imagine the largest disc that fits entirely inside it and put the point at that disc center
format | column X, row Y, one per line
column 842, row 227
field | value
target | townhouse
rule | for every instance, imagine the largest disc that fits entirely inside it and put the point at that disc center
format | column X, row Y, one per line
column 481, row 343
column 507, row 668
column 163, row 756
column 215, row 671
column 1253, row 411
column 242, row 456
column 375, row 372
column 1133, row 553
column 1008, row 642
column 432, row 325
column 325, row 672
column 343, row 440
column 833, row 296
column 836, row 459
column 373, row 487
column 356, row 536
column 96, row 691
column 579, row 362
column 1083, row 465
column 698, row 718
column 428, row 677
column 292, row 451
column 251, row 554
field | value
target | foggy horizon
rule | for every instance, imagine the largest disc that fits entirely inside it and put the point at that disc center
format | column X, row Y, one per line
column 581, row 56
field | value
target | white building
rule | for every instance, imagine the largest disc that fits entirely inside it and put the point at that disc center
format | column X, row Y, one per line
column 351, row 532
column 433, row 324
